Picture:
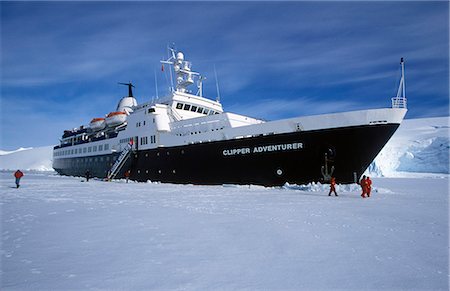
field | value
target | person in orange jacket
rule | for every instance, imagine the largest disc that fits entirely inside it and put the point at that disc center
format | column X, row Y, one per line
column 368, row 186
column 18, row 174
column 363, row 184
column 332, row 186
column 127, row 175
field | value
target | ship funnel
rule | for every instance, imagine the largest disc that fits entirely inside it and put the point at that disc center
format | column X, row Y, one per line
column 127, row 103
column 130, row 90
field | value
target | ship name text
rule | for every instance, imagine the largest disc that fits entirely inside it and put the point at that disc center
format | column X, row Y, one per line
column 263, row 149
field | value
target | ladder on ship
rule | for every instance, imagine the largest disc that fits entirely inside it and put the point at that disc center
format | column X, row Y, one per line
column 120, row 162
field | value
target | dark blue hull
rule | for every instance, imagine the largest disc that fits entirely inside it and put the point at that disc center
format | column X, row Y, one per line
column 270, row 160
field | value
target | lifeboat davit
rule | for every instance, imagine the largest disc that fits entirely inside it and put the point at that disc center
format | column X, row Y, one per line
column 115, row 118
column 97, row 124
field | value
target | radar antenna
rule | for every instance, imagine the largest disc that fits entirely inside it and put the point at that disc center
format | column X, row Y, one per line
column 130, row 91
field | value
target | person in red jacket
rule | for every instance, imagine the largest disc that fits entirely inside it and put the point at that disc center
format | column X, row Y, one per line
column 368, row 186
column 332, row 186
column 127, row 175
column 18, row 174
column 363, row 184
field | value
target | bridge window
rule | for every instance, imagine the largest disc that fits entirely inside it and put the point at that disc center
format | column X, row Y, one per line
column 187, row 107
column 179, row 105
column 193, row 108
column 199, row 110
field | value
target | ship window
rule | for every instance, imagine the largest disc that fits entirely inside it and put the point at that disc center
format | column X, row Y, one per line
column 194, row 108
column 100, row 148
column 151, row 110
column 179, row 105
column 187, row 106
column 144, row 140
column 89, row 149
column 94, row 149
column 84, row 150
column 106, row 147
column 199, row 110
column 144, row 122
column 206, row 111
column 72, row 152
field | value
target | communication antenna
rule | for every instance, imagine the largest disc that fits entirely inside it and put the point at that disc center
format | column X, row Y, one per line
column 171, row 50
column 217, row 84
column 200, row 85
column 156, row 85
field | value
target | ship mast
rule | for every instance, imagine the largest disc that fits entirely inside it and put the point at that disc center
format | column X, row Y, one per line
column 400, row 100
column 183, row 73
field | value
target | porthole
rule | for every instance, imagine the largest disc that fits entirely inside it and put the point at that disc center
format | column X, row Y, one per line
column 139, row 171
column 279, row 172
column 159, row 171
column 173, row 171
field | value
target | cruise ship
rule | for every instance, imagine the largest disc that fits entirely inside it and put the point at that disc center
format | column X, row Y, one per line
column 187, row 138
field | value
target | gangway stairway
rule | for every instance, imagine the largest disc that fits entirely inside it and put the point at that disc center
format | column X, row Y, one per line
column 120, row 162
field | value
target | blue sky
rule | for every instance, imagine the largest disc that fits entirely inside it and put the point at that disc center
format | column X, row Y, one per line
column 61, row 61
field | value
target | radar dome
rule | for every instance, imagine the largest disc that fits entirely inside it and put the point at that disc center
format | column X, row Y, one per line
column 180, row 56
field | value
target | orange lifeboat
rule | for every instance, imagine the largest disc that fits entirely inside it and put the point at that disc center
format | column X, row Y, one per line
column 115, row 118
column 97, row 124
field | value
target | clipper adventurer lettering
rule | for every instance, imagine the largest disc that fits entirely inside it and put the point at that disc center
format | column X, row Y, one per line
column 262, row 149
column 188, row 138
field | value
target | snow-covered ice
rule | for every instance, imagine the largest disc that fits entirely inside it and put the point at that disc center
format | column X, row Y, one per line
column 29, row 159
column 418, row 146
column 60, row 233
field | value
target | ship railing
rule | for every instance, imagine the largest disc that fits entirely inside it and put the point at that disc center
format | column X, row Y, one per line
column 399, row 102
